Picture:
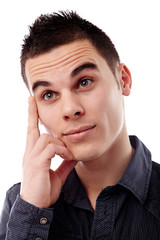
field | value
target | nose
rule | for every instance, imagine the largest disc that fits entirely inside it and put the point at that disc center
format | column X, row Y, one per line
column 72, row 108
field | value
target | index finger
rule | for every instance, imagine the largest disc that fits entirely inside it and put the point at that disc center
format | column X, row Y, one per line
column 33, row 132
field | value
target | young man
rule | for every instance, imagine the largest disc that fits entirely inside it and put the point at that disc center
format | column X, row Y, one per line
column 107, row 187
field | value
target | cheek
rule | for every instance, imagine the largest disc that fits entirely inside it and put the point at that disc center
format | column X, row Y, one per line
column 48, row 117
column 99, row 103
column 107, row 105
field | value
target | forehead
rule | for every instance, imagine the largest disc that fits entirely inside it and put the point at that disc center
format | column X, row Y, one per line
column 63, row 56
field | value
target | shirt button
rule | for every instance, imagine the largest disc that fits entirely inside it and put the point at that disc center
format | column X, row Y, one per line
column 43, row 220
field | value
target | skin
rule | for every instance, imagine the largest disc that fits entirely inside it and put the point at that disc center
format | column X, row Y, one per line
column 85, row 100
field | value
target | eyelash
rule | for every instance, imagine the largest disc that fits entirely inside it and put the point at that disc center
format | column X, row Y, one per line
column 77, row 86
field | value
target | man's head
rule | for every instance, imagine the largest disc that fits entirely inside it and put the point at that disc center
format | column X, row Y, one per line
column 53, row 30
column 75, row 85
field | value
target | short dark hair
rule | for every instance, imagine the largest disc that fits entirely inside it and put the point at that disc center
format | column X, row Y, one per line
column 52, row 30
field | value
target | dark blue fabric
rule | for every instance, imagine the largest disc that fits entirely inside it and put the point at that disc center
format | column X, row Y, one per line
column 130, row 210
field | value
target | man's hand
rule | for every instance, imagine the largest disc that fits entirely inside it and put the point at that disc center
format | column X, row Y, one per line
column 41, row 186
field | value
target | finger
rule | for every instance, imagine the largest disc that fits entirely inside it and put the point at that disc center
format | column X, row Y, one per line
column 52, row 149
column 33, row 132
column 43, row 141
column 64, row 169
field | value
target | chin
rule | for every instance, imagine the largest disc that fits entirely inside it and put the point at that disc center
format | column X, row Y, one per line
column 85, row 153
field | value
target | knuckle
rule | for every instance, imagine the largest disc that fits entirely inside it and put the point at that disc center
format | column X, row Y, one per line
column 50, row 151
column 51, row 148
column 44, row 137
column 32, row 130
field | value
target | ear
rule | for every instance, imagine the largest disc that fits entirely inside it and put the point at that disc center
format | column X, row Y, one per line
column 125, row 79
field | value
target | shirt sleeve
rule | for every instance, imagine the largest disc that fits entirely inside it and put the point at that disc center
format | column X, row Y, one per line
column 24, row 221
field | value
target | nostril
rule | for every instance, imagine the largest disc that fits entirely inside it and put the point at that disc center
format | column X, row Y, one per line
column 77, row 113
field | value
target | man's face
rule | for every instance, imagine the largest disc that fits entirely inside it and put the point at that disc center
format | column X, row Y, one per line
column 78, row 98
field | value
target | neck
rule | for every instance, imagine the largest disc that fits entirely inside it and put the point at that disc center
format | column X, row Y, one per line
column 97, row 174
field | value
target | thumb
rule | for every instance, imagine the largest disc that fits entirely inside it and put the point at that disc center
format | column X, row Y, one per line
column 64, row 169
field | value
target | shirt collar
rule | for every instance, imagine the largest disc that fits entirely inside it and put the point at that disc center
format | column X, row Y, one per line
column 74, row 192
column 136, row 178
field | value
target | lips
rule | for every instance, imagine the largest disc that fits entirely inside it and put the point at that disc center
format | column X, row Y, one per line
column 77, row 134
column 79, row 130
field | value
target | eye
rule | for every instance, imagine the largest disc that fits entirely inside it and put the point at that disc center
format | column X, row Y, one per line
column 84, row 83
column 49, row 95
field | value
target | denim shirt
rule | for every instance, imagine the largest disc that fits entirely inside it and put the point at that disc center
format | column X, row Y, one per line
column 129, row 210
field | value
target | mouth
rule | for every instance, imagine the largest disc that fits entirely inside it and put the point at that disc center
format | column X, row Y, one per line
column 80, row 133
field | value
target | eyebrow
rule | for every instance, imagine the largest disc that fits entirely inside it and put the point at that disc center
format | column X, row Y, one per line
column 74, row 73
column 40, row 83
column 82, row 67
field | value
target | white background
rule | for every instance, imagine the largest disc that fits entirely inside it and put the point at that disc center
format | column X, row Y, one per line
column 134, row 27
